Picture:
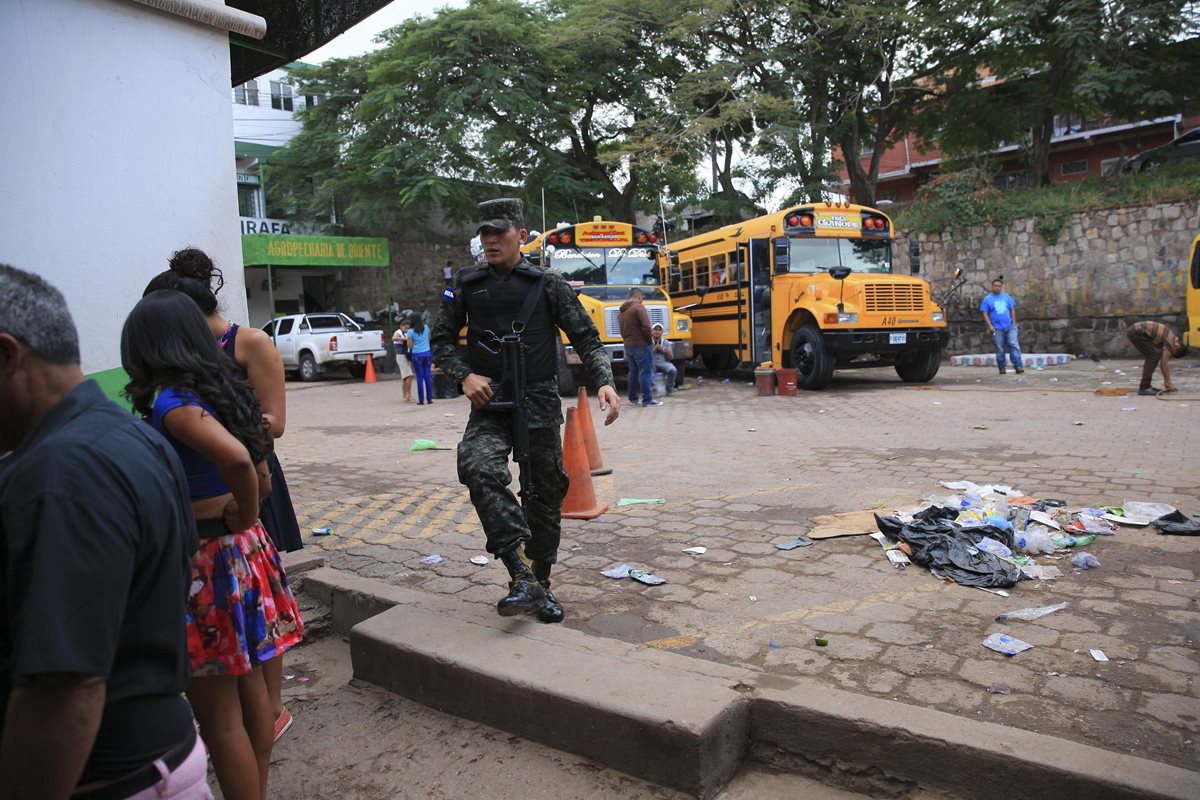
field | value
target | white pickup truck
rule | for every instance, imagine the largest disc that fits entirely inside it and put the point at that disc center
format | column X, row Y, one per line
column 310, row 344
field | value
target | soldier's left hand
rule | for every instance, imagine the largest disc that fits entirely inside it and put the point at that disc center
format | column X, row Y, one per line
column 610, row 403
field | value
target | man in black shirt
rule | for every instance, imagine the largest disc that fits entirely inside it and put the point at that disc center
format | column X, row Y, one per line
column 96, row 539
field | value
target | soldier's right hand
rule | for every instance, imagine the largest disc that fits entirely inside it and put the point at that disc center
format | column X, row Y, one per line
column 478, row 390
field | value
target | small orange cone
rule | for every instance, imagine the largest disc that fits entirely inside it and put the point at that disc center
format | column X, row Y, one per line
column 580, row 502
column 588, row 431
column 370, row 376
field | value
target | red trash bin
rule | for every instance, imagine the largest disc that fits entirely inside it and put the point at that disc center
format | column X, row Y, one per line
column 764, row 379
column 787, row 382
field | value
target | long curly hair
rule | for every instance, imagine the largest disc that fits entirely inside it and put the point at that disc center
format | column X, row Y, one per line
column 193, row 287
column 192, row 262
column 166, row 343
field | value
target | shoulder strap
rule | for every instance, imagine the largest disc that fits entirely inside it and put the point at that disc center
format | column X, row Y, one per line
column 531, row 299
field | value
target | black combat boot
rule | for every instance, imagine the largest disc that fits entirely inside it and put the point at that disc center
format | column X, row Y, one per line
column 525, row 594
column 551, row 610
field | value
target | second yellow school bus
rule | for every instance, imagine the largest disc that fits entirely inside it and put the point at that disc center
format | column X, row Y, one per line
column 1191, row 336
column 603, row 260
column 810, row 288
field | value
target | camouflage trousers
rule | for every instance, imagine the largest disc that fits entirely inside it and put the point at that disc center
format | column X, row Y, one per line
column 483, row 467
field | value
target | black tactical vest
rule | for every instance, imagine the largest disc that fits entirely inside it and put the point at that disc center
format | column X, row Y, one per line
column 492, row 306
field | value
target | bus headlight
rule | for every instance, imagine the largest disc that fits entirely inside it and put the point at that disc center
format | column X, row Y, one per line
column 681, row 324
column 939, row 316
column 845, row 318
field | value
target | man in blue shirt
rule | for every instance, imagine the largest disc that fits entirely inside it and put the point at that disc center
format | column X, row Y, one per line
column 1000, row 316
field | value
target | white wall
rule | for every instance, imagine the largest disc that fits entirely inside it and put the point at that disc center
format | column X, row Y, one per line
column 115, row 145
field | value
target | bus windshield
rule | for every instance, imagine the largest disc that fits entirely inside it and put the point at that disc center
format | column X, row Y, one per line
column 599, row 266
column 818, row 255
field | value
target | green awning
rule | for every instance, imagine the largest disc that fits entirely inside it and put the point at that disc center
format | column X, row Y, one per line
column 283, row 250
column 263, row 152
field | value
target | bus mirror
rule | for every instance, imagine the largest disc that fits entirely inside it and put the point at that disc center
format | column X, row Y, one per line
column 701, row 291
column 781, row 255
column 914, row 256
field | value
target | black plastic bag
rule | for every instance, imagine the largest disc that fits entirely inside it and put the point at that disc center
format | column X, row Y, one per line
column 944, row 546
column 1178, row 524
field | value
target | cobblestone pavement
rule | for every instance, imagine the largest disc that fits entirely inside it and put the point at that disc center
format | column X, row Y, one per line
column 739, row 472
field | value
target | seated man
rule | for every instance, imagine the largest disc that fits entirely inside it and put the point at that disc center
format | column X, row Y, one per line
column 660, row 350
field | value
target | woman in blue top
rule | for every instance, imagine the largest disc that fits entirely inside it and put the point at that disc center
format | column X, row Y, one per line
column 422, row 357
column 241, row 612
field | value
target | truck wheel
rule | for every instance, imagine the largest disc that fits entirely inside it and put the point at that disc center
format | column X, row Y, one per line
column 814, row 365
column 308, row 368
column 919, row 366
column 567, row 385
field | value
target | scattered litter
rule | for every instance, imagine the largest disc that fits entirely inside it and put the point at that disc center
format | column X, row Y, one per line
column 427, row 444
column 1175, row 583
column 979, row 427
column 794, row 543
column 1040, row 573
column 616, row 573
column 752, row 430
column 1066, row 540
column 1030, row 614
column 1129, row 408
column 1098, row 655
column 1044, row 518
column 648, row 578
column 289, row 677
column 480, row 560
column 1133, row 509
column 1003, row 643
column 640, row 501
column 1000, row 592
column 302, row 679
column 850, row 523
column 753, row 599
column 696, row 551
column 1085, row 561
column 1177, row 524
column 821, row 641
column 1077, row 422
column 939, row 544
column 937, row 402
column 432, row 559
column 322, row 531
column 772, row 645
column 1000, row 688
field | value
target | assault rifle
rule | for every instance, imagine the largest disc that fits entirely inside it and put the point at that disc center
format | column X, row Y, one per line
column 509, row 395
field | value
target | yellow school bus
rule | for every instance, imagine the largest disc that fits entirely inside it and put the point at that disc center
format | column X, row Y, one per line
column 603, row 260
column 1191, row 336
column 809, row 288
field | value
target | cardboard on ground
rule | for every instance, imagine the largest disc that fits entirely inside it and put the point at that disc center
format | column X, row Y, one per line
column 851, row 523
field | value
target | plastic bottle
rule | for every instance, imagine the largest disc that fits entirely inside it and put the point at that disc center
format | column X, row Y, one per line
column 1036, row 539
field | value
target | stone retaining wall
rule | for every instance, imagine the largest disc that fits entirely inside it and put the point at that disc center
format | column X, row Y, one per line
column 1109, row 268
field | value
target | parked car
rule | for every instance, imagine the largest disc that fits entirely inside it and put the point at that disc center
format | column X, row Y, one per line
column 1185, row 146
column 311, row 344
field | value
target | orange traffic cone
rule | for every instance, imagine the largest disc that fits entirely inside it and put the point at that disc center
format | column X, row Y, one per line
column 588, row 431
column 370, row 376
column 580, row 502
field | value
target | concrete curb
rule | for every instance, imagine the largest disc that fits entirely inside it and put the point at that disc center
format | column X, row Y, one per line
column 687, row 723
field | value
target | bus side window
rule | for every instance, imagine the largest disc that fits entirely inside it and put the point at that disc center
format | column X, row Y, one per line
column 735, row 265
column 719, row 274
column 701, row 273
column 687, row 270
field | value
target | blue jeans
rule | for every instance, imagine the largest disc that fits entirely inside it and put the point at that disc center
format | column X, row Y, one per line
column 1007, row 340
column 422, row 365
column 641, row 373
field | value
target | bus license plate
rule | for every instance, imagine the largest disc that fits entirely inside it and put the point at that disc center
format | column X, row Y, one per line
column 897, row 338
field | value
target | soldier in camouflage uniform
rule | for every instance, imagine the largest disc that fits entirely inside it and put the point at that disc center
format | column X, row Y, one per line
column 487, row 299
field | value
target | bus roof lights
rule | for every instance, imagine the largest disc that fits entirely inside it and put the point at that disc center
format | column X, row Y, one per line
column 806, row 220
column 654, row 238
column 565, row 238
column 793, row 220
column 553, row 238
column 642, row 238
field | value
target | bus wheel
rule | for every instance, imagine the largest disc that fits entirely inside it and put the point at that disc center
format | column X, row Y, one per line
column 566, row 376
column 919, row 366
column 814, row 365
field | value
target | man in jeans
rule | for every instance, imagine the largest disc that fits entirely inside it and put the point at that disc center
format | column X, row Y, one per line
column 1157, row 343
column 96, row 541
column 1000, row 316
column 637, row 336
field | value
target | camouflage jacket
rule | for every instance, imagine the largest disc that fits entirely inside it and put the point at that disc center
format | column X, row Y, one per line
column 567, row 314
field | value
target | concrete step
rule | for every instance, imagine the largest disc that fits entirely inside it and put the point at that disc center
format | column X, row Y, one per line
column 688, row 724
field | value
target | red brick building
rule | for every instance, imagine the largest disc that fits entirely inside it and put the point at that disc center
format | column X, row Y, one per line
column 1080, row 149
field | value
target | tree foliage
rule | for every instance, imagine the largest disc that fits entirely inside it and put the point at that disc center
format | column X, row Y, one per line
column 607, row 106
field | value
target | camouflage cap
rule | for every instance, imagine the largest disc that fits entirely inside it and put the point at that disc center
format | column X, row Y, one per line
column 501, row 214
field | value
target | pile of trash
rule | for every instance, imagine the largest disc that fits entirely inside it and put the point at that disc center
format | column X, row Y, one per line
column 990, row 536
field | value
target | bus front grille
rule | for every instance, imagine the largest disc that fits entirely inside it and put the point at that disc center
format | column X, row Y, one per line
column 659, row 315
column 893, row 297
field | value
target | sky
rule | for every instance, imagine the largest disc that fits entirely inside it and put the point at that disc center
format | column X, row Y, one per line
column 360, row 38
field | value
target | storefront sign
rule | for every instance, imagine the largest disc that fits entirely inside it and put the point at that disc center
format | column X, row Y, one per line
column 313, row 251
column 257, row 225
